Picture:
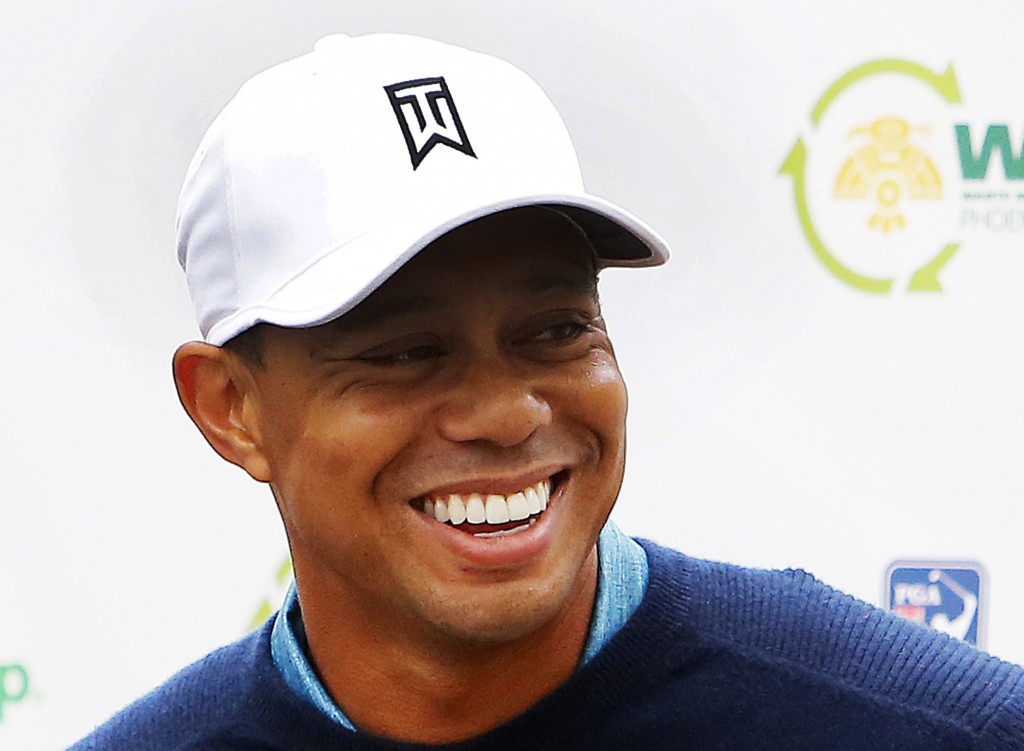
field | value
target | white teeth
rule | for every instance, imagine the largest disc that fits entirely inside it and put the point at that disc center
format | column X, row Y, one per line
column 496, row 509
column 532, row 500
column 456, row 510
column 475, row 511
column 493, row 509
column 518, row 508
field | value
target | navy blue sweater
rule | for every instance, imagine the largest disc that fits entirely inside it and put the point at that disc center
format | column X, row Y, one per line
column 716, row 657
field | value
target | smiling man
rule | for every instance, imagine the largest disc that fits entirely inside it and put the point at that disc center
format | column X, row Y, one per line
column 394, row 266
column 444, row 458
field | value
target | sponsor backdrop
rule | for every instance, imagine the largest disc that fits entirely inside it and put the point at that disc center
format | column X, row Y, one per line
column 828, row 374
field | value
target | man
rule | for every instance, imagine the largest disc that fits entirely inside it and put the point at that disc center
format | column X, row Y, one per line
column 394, row 262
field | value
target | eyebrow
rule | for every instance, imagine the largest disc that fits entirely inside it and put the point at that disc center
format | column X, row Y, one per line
column 375, row 310
column 585, row 284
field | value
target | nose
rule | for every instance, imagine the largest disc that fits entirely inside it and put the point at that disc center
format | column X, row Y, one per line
column 491, row 402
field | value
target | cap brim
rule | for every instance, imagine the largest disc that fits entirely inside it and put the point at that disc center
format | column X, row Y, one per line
column 342, row 277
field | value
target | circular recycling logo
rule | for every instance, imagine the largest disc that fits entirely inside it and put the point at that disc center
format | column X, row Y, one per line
column 870, row 177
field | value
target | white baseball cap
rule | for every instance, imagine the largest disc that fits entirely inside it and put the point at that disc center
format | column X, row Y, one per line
column 326, row 173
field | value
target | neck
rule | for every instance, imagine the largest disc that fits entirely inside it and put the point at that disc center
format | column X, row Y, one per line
column 414, row 684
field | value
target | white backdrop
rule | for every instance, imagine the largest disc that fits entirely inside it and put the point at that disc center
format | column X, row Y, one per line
column 779, row 416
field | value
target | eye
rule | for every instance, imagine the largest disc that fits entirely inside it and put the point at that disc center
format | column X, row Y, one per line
column 559, row 334
column 402, row 354
column 565, row 331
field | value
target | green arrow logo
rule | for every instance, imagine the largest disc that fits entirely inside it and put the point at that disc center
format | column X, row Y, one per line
column 794, row 166
column 946, row 84
column 925, row 279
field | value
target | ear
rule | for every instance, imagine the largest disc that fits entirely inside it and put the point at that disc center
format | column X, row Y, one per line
column 218, row 392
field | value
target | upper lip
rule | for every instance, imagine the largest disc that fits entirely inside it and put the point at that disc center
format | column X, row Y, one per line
column 499, row 484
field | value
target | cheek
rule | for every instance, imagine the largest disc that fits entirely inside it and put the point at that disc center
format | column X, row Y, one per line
column 606, row 396
column 326, row 492
column 594, row 400
column 330, row 458
column 600, row 408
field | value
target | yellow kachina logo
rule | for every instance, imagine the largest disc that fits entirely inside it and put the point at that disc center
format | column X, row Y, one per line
column 868, row 180
column 887, row 171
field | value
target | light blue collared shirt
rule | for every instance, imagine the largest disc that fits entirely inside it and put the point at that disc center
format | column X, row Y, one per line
column 621, row 584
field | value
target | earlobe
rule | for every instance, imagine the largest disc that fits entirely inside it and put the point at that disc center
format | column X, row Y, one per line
column 218, row 394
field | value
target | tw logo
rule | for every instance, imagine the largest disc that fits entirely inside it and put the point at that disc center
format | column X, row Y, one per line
column 427, row 114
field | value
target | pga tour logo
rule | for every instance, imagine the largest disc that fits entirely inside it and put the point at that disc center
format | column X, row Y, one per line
column 427, row 115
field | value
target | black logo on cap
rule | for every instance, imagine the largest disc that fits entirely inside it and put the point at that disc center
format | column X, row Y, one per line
column 427, row 114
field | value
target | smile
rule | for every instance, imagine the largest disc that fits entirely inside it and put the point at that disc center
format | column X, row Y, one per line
column 491, row 514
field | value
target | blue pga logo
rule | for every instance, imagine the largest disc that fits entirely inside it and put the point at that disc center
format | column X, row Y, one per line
column 13, row 686
column 947, row 596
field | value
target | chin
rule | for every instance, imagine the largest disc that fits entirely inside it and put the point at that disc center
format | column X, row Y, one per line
column 506, row 612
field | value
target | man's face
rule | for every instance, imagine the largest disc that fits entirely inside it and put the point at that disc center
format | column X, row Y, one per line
column 481, row 368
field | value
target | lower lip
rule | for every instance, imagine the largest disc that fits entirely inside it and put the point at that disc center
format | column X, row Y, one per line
column 509, row 551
